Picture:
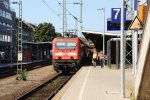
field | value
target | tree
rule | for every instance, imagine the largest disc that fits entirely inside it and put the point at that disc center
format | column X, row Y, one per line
column 58, row 34
column 44, row 32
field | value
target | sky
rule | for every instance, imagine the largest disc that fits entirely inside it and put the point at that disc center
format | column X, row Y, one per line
column 36, row 11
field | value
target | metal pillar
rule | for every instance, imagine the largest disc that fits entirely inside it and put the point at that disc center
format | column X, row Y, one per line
column 135, row 50
column 81, row 21
column 133, row 57
column 135, row 38
column 128, row 56
column 76, row 27
column 81, row 11
column 11, row 47
column 103, row 33
column 63, row 17
column 109, row 53
column 122, row 52
column 117, row 54
column 20, row 56
column 129, row 15
column 104, row 37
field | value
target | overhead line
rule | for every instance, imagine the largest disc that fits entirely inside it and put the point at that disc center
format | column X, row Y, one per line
column 68, row 11
column 56, row 13
column 51, row 8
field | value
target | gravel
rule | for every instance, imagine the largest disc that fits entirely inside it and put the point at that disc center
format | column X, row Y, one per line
column 10, row 88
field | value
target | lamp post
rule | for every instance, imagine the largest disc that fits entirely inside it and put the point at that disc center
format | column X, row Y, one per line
column 122, row 52
column 103, row 33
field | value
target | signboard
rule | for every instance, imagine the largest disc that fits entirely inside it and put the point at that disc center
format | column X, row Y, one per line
column 142, row 13
column 116, row 15
column 19, row 56
column 136, row 24
column 135, row 4
column 116, row 26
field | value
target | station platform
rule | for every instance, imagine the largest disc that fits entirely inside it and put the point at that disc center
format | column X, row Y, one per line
column 91, row 83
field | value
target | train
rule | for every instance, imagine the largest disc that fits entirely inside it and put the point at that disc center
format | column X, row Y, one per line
column 68, row 54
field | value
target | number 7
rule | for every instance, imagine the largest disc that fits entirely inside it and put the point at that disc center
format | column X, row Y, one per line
column 117, row 12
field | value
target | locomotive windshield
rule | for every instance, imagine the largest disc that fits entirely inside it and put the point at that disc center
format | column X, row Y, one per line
column 60, row 45
column 71, row 45
column 65, row 45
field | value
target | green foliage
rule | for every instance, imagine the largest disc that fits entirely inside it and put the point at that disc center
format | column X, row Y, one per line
column 58, row 34
column 22, row 75
column 44, row 32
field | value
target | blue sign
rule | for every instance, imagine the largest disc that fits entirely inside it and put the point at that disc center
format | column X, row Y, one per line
column 116, row 15
column 135, row 4
column 116, row 26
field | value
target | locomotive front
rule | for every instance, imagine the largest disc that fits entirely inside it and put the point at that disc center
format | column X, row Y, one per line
column 66, row 53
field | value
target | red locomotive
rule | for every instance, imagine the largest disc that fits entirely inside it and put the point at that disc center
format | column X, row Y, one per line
column 68, row 53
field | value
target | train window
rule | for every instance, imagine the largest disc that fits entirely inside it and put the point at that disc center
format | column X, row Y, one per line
column 60, row 45
column 71, row 45
column 63, row 45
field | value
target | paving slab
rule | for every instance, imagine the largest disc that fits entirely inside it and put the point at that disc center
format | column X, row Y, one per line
column 96, row 84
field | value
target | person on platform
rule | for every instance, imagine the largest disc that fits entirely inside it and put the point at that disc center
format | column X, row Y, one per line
column 101, row 57
column 28, row 56
column 94, row 58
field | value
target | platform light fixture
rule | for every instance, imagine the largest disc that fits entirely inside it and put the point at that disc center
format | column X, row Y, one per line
column 103, row 9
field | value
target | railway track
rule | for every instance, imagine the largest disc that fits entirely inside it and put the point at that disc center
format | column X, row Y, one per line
column 9, row 71
column 46, row 90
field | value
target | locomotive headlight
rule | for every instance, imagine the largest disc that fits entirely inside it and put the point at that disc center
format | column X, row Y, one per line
column 72, row 54
column 58, row 58
column 75, row 57
column 59, row 54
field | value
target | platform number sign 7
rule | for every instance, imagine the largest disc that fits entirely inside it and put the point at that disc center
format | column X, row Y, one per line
column 116, row 15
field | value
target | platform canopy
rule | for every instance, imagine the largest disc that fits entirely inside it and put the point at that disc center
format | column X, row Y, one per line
column 97, row 37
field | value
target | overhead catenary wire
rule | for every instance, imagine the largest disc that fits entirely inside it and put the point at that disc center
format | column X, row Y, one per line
column 51, row 9
column 68, row 11
column 62, row 7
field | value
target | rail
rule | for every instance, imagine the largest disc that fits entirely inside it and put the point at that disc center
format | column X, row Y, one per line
column 43, row 88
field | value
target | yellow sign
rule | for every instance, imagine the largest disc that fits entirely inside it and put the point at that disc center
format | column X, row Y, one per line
column 19, row 56
column 136, row 24
column 142, row 13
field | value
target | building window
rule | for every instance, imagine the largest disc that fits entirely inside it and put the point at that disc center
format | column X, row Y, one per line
column 8, row 16
column 4, row 13
column 5, row 38
column 1, row 37
column 6, row 4
column 9, row 39
column 1, row 12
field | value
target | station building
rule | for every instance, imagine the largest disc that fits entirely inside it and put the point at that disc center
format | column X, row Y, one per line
column 7, row 31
